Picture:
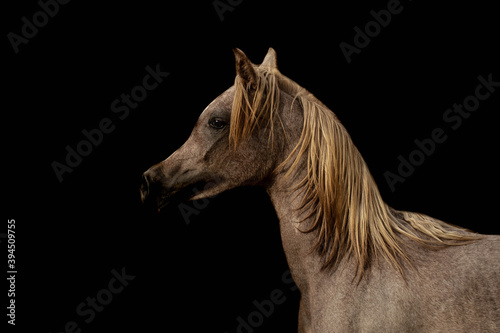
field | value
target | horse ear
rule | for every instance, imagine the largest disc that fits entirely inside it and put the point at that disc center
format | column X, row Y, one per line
column 244, row 67
column 270, row 60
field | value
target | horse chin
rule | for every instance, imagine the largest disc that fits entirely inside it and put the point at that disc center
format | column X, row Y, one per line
column 166, row 197
column 184, row 193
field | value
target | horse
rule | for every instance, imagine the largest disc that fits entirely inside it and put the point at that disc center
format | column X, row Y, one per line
column 360, row 265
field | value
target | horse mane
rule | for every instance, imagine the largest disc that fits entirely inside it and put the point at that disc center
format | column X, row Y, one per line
column 349, row 215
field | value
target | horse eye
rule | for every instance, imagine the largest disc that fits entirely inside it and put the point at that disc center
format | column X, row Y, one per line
column 217, row 123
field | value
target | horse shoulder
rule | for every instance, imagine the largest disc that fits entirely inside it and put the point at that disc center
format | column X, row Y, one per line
column 458, row 288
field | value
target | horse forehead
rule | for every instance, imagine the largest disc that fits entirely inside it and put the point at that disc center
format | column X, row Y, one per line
column 223, row 100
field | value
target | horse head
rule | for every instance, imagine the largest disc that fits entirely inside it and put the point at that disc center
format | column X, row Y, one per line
column 238, row 140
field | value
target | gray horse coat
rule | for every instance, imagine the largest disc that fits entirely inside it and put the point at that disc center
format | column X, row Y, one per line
column 360, row 265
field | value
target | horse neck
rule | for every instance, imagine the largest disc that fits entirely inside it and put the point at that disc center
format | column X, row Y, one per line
column 304, row 263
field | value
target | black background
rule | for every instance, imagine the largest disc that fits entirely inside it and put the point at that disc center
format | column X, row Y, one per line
column 199, row 277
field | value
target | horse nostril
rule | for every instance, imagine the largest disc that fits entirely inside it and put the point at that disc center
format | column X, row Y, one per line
column 144, row 187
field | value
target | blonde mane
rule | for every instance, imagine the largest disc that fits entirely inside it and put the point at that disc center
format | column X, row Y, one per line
column 350, row 218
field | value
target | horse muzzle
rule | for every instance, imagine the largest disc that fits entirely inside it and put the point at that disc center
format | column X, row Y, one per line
column 163, row 184
column 156, row 189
